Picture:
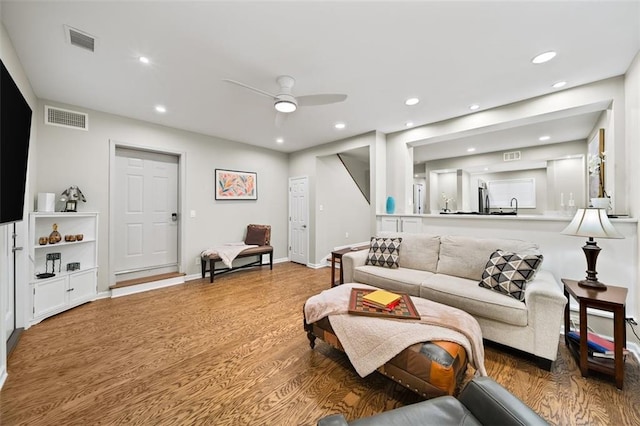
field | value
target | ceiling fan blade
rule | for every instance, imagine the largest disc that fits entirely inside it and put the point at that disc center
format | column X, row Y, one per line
column 246, row 86
column 324, row 99
column 281, row 117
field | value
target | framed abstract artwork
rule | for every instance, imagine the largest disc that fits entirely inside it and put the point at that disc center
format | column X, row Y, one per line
column 235, row 185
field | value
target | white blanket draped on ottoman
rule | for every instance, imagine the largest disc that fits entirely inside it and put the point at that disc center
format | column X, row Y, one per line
column 370, row 342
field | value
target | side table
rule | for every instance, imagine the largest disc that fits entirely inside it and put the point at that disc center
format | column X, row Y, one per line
column 613, row 299
column 336, row 257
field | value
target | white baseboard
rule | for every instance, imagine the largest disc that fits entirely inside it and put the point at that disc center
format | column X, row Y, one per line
column 634, row 349
column 126, row 291
column 103, row 295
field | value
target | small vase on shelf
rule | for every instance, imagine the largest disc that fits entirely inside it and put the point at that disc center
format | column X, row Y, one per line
column 391, row 205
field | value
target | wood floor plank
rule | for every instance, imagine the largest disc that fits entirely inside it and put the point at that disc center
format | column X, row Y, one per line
column 234, row 353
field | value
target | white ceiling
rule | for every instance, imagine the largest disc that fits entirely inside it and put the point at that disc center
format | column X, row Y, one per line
column 449, row 54
column 565, row 129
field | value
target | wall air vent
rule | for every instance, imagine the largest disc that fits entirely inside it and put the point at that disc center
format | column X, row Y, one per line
column 65, row 118
column 80, row 38
column 511, row 156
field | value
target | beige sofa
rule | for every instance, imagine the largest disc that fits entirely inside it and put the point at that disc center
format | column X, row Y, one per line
column 447, row 269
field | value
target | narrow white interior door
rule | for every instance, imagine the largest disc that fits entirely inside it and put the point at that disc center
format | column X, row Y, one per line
column 8, row 278
column 146, row 208
column 298, row 218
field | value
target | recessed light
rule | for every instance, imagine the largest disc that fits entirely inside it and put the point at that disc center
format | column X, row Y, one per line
column 470, row 149
column 340, row 125
column 412, row 101
column 486, row 169
column 161, row 108
column 280, row 140
column 474, row 107
column 143, row 59
column 559, row 84
column 408, row 123
column 544, row 138
column 544, row 57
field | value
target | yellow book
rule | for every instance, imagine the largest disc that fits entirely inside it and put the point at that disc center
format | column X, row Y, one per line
column 381, row 297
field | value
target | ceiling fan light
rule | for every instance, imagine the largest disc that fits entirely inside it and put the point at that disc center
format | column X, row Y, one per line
column 285, row 106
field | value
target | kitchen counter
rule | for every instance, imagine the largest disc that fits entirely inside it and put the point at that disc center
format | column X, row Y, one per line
column 519, row 217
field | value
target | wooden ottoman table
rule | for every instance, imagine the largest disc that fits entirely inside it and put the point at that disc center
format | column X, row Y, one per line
column 429, row 369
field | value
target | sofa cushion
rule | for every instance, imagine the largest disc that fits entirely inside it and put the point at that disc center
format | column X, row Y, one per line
column 465, row 294
column 401, row 280
column 419, row 251
column 384, row 252
column 466, row 257
column 508, row 273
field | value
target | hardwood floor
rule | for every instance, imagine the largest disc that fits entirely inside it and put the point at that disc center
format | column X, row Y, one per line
column 234, row 353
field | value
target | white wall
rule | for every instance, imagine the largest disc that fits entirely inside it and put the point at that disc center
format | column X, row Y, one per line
column 13, row 65
column 632, row 143
column 342, row 209
column 562, row 185
column 447, row 188
column 75, row 157
column 305, row 163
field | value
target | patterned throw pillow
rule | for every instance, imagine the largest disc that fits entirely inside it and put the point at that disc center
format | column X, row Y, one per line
column 508, row 273
column 384, row 252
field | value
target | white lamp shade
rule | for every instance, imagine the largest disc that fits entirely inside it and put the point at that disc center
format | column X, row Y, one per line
column 592, row 223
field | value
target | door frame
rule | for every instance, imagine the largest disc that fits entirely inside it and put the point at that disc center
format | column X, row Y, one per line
column 306, row 219
column 182, row 190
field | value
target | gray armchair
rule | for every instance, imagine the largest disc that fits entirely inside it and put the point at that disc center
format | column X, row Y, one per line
column 481, row 402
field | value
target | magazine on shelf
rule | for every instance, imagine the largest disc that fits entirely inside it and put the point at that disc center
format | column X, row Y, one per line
column 595, row 343
column 608, row 356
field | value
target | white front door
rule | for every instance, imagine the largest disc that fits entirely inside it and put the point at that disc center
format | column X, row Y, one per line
column 146, row 211
column 298, row 219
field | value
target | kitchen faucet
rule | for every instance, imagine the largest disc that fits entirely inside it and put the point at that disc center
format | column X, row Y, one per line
column 511, row 204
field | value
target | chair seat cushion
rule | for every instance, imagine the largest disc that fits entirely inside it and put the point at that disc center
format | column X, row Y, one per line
column 253, row 251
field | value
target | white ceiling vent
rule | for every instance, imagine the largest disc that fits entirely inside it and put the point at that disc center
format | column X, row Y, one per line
column 65, row 118
column 80, row 38
column 511, row 156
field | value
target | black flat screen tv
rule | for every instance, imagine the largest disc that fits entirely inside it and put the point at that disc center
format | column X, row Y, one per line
column 15, row 132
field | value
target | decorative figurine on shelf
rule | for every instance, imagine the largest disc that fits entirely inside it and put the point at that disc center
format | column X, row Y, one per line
column 446, row 200
column 55, row 237
column 71, row 196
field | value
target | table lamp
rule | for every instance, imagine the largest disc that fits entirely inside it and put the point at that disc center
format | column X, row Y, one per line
column 591, row 223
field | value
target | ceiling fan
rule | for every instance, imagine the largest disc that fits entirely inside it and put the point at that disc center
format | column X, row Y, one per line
column 284, row 102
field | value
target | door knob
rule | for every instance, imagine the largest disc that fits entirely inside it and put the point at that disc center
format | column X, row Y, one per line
column 304, row 226
column 174, row 217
